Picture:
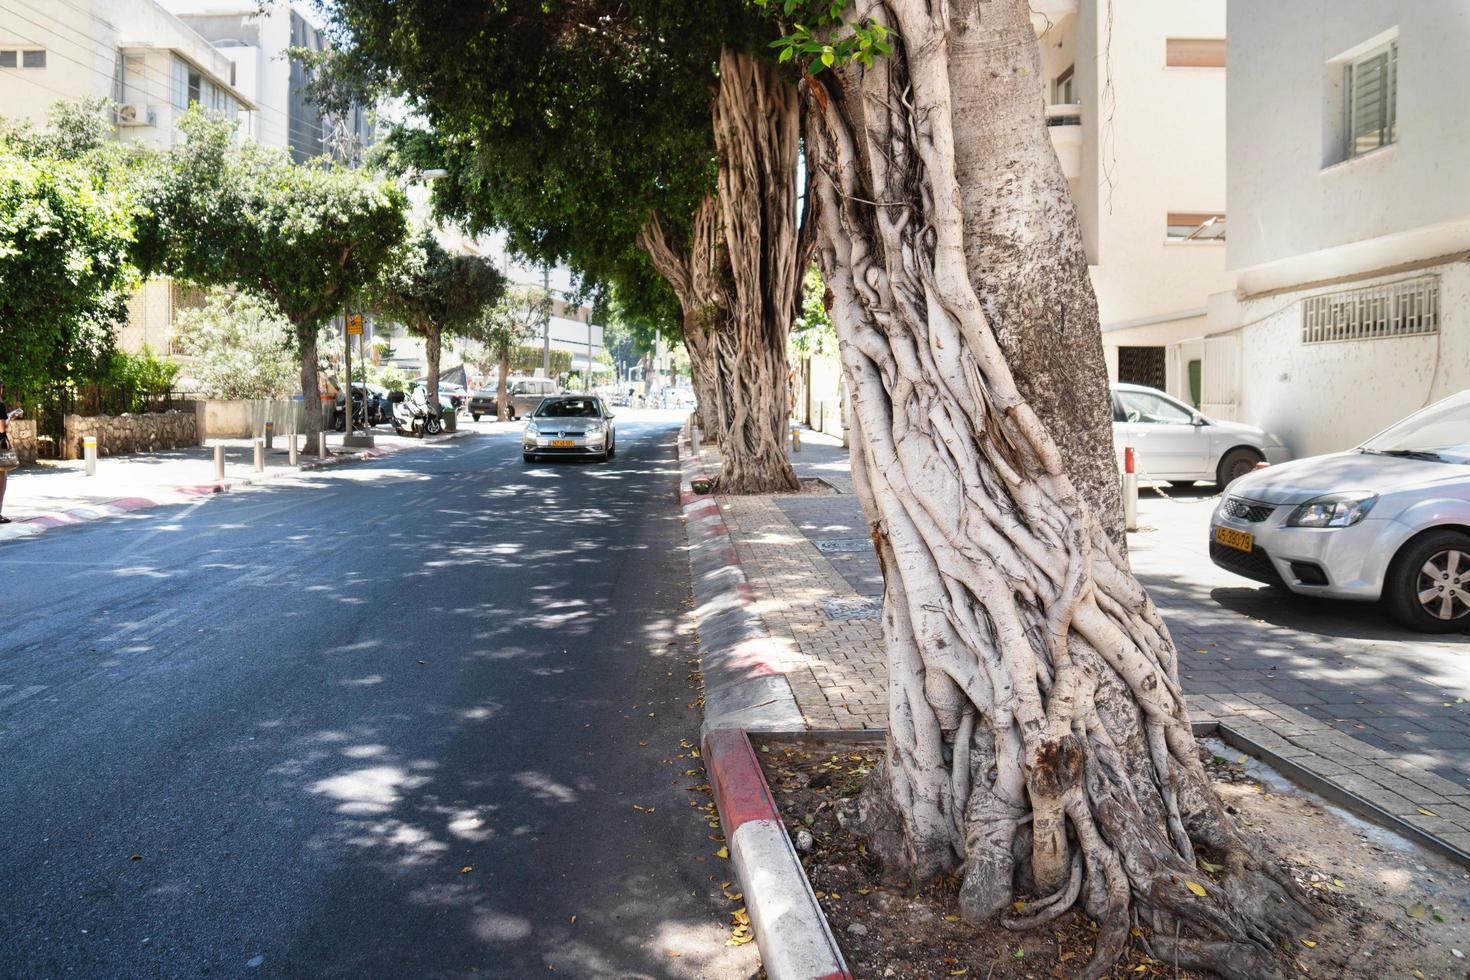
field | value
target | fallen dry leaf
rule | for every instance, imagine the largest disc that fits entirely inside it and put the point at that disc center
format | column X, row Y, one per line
column 1196, row 887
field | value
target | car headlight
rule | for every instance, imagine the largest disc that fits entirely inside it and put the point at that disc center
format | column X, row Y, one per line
column 1333, row 510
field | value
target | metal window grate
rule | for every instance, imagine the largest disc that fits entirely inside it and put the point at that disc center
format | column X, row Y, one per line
column 1408, row 308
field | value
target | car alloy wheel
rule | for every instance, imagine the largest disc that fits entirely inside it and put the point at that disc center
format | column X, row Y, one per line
column 1444, row 585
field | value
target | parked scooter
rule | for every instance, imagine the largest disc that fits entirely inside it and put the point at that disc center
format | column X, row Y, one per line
column 411, row 414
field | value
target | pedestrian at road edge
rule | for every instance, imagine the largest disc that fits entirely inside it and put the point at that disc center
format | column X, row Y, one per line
column 8, row 459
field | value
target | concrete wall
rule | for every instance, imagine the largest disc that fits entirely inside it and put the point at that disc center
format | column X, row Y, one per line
column 79, row 41
column 1327, row 397
column 1285, row 119
column 245, row 418
column 1153, row 141
column 130, row 433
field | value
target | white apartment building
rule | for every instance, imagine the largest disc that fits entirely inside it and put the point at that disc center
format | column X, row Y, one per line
column 1350, row 186
column 1136, row 106
column 133, row 52
column 257, row 37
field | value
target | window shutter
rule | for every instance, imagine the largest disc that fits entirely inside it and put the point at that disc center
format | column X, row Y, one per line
column 1371, row 82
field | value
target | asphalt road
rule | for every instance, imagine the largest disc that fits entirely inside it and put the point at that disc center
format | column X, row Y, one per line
column 396, row 719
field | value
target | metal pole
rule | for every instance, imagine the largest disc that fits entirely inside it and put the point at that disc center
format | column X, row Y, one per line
column 589, row 353
column 321, row 445
column 1130, row 490
column 89, row 452
column 219, row 462
column 291, row 450
column 347, row 361
column 259, row 455
column 270, row 435
column 546, row 327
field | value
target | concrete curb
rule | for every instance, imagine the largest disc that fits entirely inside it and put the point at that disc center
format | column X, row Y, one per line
column 32, row 526
column 745, row 688
column 744, row 685
column 795, row 940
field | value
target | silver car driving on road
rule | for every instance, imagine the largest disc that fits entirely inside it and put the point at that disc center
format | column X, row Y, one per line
column 570, row 425
column 1388, row 520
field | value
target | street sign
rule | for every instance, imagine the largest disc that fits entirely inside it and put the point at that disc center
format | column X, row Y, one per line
column 354, row 325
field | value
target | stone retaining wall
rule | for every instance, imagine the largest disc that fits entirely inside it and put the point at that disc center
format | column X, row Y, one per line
column 22, row 433
column 131, row 433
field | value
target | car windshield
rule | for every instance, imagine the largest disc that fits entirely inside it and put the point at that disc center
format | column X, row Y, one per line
column 1441, row 432
column 1143, row 406
column 569, row 408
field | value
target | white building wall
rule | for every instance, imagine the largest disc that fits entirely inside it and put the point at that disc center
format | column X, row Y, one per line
column 1285, row 121
column 1327, row 397
column 81, row 47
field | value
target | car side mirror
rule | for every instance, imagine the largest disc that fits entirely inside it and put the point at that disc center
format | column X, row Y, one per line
column 1198, row 420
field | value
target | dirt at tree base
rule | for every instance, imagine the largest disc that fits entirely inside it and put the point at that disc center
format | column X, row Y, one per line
column 1388, row 909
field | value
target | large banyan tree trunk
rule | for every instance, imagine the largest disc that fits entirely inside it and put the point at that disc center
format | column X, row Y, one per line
column 757, row 126
column 1038, row 738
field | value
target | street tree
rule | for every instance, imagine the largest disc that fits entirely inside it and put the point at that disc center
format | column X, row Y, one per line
column 304, row 238
column 518, row 316
column 65, row 274
column 1039, row 742
column 435, row 294
column 675, row 138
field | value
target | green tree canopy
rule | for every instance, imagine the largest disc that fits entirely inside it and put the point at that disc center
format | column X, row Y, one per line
column 64, row 270
column 240, row 347
column 303, row 238
column 434, row 293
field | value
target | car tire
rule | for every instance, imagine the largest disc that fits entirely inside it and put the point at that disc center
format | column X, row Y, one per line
column 1447, row 554
column 528, row 457
column 612, row 449
column 1235, row 464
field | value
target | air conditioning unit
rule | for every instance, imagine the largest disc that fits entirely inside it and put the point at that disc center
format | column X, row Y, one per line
column 136, row 114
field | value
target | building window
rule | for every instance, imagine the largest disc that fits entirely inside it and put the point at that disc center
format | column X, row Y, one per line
column 1194, row 52
column 1408, row 308
column 1063, row 88
column 1371, row 87
column 9, row 59
column 1195, row 226
column 33, row 59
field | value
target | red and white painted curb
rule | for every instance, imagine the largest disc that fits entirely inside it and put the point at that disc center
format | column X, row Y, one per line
column 745, row 683
column 795, row 941
column 745, row 688
column 31, row 526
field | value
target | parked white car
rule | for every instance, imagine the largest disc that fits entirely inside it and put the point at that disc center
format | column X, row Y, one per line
column 1178, row 444
column 1387, row 520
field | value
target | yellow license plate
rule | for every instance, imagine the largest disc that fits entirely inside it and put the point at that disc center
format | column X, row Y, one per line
column 568, row 443
column 1234, row 539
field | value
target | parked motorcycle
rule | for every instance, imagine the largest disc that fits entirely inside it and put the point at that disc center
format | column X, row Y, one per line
column 411, row 414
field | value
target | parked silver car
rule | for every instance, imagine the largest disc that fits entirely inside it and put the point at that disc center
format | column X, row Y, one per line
column 1178, row 444
column 570, row 425
column 1387, row 520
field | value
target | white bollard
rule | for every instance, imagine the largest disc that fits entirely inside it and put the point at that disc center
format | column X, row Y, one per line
column 89, row 453
column 219, row 462
column 321, row 445
column 291, row 450
column 259, row 455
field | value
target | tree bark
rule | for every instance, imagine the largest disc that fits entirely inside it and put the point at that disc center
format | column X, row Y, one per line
column 1038, row 737
column 432, row 352
column 311, row 392
column 1023, row 245
column 502, row 396
column 757, row 125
